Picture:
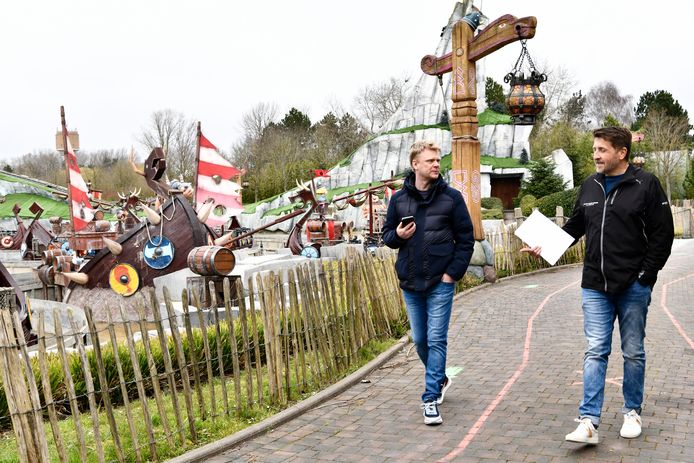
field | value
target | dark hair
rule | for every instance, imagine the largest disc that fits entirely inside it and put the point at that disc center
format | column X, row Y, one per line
column 619, row 137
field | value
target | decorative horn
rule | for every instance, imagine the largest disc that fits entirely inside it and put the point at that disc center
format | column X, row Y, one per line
column 78, row 277
column 113, row 246
column 205, row 210
column 224, row 239
column 151, row 214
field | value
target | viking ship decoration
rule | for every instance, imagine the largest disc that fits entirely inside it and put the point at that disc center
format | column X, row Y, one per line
column 526, row 100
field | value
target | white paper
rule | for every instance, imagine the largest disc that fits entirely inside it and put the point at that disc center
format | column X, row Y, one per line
column 538, row 230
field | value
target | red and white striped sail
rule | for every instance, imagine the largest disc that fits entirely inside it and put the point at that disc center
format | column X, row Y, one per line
column 82, row 210
column 215, row 176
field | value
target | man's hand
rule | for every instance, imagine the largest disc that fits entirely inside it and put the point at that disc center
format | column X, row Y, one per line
column 535, row 252
column 406, row 232
column 447, row 279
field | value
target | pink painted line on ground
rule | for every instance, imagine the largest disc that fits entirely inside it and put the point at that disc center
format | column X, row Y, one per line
column 663, row 299
column 507, row 387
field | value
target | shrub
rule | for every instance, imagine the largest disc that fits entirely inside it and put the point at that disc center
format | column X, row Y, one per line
column 492, row 214
column 527, row 203
column 544, row 180
column 492, row 203
column 566, row 199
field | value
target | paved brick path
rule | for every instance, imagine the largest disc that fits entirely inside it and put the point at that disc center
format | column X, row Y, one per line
column 504, row 406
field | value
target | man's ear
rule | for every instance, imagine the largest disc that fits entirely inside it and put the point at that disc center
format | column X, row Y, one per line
column 623, row 153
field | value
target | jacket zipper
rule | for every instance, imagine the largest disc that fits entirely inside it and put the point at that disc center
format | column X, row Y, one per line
column 602, row 230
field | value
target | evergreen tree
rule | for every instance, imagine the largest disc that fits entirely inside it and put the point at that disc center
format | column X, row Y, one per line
column 524, row 157
column 688, row 183
column 544, row 180
column 494, row 96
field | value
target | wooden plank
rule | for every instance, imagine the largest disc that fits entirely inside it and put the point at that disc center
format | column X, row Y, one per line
column 226, row 286
column 103, row 383
column 297, row 329
column 218, row 342
column 168, row 368
column 48, row 393
column 309, row 327
column 328, row 287
column 243, row 317
column 40, row 445
column 123, row 388
column 8, row 366
column 139, row 383
column 192, row 354
column 69, row 385
column 318, row 320
column 268, row 338
column 181, row 359
column 274, row 319
column 256, row 343
column 89, row 383
column 284, row 336
column 208, row 355
column 154, row 374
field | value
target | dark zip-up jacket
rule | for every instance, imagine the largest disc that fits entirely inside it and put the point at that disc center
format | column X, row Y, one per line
column 629, row 232
column 443, row 241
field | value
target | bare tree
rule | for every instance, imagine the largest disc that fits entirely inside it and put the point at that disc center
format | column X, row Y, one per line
column 256, row 120
column 376, row 103
column 666, row 136
column 176, row 135
column 559, row 87
column 604, row 99
column 47, row 165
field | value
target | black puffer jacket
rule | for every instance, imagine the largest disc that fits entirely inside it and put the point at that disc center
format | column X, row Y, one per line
column 629, row 232
column 443, row 242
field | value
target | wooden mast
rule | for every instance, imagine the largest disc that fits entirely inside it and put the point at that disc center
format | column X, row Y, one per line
column 67, row 166
column 197, row 163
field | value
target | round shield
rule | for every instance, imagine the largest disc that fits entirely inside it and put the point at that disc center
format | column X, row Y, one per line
column 124, row 279
column 7, row 241
column 159, row 252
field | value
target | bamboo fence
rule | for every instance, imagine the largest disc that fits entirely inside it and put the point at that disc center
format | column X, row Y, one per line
column 290, row 333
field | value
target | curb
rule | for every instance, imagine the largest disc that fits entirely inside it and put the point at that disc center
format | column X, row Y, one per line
column 214, row 448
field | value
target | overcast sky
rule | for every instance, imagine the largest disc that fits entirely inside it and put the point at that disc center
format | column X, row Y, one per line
column 114, row 63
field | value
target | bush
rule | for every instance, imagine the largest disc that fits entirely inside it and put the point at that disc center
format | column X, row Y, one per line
column 544, row 180
column 566, row 199
column 492, row 214
column 492, row 203
column 527, row 203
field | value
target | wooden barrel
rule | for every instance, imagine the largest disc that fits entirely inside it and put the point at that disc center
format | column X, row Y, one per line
column 50, row 255
column 63, row 263
column 315, row 225
column 211, row 260
column 46, row 274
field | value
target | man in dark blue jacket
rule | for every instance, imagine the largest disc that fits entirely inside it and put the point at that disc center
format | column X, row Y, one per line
column 435, row 244
column 625, row 216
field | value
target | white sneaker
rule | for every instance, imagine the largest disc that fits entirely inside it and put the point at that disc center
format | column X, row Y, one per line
column 585, row 433
column 431, row 413
column 632, row 425
column 446, row 384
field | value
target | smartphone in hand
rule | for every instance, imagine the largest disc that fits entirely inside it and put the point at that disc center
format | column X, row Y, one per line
column 405, row 221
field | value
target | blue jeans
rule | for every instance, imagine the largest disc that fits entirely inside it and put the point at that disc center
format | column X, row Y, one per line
column 600, row 310
column 429, row 313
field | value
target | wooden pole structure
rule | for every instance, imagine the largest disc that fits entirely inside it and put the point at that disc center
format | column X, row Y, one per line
column 197, row 163
column 67, row 165
column 467, row 49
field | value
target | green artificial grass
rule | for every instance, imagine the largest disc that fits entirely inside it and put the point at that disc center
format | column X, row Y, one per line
column 51, row 207
column 11, row 178
column 489, row 117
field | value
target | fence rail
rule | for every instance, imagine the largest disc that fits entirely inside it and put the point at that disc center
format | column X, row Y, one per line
column 289, row 333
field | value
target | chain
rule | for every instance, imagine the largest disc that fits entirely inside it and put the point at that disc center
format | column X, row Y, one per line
column 443, row 97
column 161, row 210
column 161, row 234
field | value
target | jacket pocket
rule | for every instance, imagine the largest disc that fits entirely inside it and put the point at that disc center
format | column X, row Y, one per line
column 440, row 256
column 401, row 263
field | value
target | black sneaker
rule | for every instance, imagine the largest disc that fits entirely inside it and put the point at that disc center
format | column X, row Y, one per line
column 444, row 387
column 431, row 413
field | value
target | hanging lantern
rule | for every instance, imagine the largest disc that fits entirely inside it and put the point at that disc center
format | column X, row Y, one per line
column 526, row 100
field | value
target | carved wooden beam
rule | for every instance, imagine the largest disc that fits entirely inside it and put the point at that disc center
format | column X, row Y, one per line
column 502, row 31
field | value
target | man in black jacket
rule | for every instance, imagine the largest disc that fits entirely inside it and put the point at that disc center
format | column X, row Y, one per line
column 626, row 218
column 435, row 245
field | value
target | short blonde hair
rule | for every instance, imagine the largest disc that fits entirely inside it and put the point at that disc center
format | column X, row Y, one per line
column 419, row 146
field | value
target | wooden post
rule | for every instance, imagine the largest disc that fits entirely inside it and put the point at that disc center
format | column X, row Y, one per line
column 468, row 48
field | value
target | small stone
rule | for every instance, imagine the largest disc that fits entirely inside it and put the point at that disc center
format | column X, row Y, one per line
column 489, row 274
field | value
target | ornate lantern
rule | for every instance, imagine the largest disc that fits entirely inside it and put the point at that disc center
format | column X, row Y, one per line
column 526, row 100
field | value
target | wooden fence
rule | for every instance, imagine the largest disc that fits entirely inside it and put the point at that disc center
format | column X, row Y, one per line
column 294, row 332
column 508, row 260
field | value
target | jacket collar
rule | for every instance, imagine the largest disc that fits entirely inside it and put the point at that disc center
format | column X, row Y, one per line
column 437, row 186
column 629, row 175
